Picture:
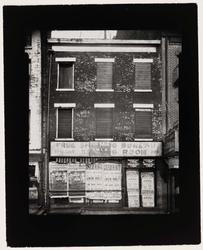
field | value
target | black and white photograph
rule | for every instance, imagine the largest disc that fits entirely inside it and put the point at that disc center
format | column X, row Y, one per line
column 102, row 125
column 103, row 121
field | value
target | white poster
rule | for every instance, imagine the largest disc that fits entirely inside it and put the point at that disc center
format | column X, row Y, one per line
column 147, row 183
column 132, row 177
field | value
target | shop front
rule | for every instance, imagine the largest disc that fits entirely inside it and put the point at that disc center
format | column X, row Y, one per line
column 119, row 176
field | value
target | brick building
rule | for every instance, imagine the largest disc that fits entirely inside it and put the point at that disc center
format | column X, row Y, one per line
column 104, row 126
column 171, row 51
column 33, row 51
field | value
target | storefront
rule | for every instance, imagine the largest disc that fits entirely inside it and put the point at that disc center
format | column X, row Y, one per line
column 120, row 175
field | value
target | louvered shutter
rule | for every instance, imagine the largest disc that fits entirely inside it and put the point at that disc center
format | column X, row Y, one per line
column 104, row 75
column 143, row 124
column 104, row 123
column 65, row 75
column 64, row 123
column 142, row 75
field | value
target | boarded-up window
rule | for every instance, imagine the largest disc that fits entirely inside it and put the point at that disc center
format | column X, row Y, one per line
column 142, row 75
column 104, row 75
column 65, row 76
column 143, row 123
column 64, row 123
column 104, row 122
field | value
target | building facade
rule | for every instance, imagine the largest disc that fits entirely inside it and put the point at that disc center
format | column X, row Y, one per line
column 34, row 52
column 104, row 126
column 171, row 53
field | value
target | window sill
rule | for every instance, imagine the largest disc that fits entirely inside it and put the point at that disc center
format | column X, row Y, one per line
column 143, row 139
column 103, row 139
column 65, row 89
column 64, row 139
column 104, row 90
column 142, row 90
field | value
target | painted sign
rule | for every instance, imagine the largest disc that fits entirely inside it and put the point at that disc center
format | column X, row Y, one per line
column 58, row 179
column 135, row 149
column 106, row 149
column 70, row 149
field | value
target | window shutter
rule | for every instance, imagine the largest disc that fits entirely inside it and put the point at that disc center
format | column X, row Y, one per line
column 143, row 75
column 104, row 75
column 104, row 123
column 65, row 75
column 143, row 124
column 64, row 123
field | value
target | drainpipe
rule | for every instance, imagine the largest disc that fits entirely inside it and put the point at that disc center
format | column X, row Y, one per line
column 47, row 148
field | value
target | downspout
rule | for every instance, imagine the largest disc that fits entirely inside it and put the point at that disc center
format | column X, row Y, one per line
column 47, row 149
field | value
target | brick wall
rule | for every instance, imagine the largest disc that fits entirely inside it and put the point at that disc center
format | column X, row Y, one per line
column 173, row 107
column 124, row 96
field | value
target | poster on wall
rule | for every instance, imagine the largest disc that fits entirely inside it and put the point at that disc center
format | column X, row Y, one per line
column 76, row 179
column 132, row 178
column 147, row 183
column 149, row 163
column 103, row 181
column 133, row 199
column 133, row 163
column 111, row 181
column 33, row 193
column 58, row 181
column 94, row 181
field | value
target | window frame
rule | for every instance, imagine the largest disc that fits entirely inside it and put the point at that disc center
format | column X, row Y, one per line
column 70, row 106
column 105, row 60
column 143, row 107
column 141, row 60
column 104, row 106
column 65, row 60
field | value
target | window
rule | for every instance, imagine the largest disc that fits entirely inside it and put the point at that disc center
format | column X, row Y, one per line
column 143, row 74
column 65, row 80
column 143, row 121
column 104, row 74
column 64, row 121
column 104, row 120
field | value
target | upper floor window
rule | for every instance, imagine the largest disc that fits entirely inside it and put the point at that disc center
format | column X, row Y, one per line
column 142, row 74
column 65, row 73
column 104, row 121
column 143, row 121
column 104, row 74
column 64, row 120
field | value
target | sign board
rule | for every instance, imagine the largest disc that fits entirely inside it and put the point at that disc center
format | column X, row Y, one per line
column 106, row 149
column 101, row 149
column 138, row 149
column 58, row 179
